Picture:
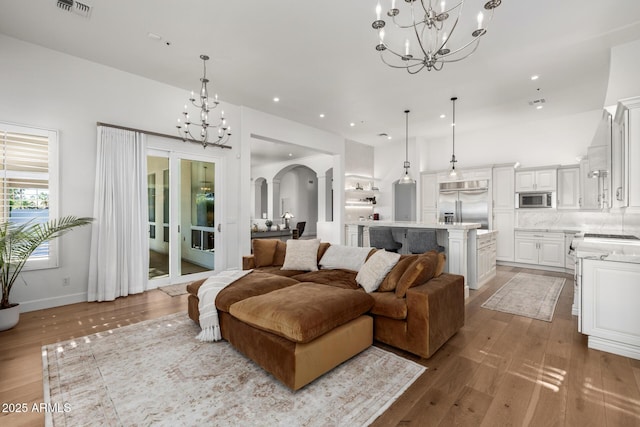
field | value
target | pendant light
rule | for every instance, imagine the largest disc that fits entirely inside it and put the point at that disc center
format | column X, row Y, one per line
column 453, row 173
column 406, row 177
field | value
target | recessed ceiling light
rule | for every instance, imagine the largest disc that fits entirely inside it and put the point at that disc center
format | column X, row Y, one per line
column 389, row 137
column 535, row 77
column 154, row 36
column 322, row 115
column 352, row 124
column 539, row 107
column 442, row 116
column 276, row 99
column 290, row 154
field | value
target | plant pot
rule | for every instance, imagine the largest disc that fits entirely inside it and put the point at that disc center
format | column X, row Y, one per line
column 9, row 317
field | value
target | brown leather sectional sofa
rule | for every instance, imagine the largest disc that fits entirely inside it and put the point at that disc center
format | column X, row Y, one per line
column 298, row 325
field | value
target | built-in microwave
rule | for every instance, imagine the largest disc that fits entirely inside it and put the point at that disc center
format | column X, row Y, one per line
column 546, row 199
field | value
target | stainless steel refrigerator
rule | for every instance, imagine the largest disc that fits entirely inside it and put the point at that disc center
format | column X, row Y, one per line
column 464, row 201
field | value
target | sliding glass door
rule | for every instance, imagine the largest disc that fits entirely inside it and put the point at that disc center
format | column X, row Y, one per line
column 183, row 216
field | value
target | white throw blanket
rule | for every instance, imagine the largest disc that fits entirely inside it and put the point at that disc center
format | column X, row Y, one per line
column 207, row 302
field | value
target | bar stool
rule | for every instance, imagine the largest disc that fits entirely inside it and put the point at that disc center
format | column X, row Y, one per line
column 421, row 241
column 381, row 238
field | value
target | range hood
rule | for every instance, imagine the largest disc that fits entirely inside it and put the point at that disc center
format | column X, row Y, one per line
column 599, row 152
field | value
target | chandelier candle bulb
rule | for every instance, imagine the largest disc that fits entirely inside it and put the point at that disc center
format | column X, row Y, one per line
column 430, row 23
column 204, row 107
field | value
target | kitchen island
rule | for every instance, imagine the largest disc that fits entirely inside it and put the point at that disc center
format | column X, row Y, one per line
column 459, row 240
column 607, row 293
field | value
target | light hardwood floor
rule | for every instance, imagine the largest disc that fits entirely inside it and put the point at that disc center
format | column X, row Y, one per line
column 499, row 370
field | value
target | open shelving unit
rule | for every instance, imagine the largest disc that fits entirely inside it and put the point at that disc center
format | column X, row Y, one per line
column 360, row 196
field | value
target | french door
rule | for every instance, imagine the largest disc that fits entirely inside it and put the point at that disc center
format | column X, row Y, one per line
column 184, row 216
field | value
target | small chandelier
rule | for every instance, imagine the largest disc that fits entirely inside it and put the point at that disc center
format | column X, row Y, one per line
column 221, row 131
column 431, row 30
column 453, row 161
column 406, row 178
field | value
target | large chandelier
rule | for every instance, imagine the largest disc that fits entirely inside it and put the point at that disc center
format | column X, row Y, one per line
column 429, row 41
column 218, row 132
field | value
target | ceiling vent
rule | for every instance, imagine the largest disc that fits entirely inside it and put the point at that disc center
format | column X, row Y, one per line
column 76, row 7
column 537, row 102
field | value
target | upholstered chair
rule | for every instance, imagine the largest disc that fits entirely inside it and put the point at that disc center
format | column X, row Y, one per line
column 382, row 238
column 420, row 241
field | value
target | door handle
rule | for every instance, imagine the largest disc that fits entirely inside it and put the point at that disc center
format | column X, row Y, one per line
column 219, row 228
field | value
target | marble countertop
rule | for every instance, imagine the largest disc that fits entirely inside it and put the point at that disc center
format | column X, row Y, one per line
column 544, row 230
column 415, row 224
column 485, row 232
column 621, row 252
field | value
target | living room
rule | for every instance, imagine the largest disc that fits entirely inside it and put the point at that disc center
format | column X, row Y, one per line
column 51, row 79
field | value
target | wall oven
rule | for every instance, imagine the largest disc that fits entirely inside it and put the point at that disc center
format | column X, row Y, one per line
column 546, row 199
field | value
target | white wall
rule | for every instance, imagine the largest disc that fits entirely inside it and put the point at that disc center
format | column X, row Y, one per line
column 300, row 187
column 291, row 186
column 624, row 70
column 48, row 89
column 551, row 141
column 555, row 140
column 256, row 123
column 388, row 167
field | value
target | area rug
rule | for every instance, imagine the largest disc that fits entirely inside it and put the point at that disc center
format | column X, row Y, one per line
column 157, row 373
column 528, row 295
column 175, row 290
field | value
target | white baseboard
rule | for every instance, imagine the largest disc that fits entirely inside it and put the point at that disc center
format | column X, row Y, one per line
column 614, row 347
column 40, row 304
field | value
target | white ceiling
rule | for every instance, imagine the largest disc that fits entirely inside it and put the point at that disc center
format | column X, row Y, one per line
column 319, row 57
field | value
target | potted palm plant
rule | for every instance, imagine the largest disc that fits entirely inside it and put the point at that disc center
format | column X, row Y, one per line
column 17, row 242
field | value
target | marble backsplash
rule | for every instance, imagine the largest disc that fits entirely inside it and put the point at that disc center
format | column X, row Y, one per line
column 594, row 222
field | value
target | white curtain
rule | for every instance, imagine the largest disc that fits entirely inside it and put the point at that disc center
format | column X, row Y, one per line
column 119, row 263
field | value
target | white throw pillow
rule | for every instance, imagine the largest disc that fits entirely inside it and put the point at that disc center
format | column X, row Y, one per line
column 345, row 257
column 301, row 255
column 375, row 269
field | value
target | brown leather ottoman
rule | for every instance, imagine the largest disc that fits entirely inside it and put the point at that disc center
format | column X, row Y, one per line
column 300, row 332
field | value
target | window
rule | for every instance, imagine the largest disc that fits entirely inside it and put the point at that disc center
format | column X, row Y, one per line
column 28, row 182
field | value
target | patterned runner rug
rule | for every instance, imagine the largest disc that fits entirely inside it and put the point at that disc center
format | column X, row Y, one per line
column 175, row 290
column 157, row 373
column 529, row 295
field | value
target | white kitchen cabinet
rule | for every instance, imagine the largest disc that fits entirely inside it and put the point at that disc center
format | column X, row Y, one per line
column 486, row 261
column 503, row 188
column 569, row 260
column 626, row 155
column 569, row 187
column 540, row 248
column 503, row 222
column 536, row 180
column 589, row 190
column 619, row 138
column 609, row 313
column 503, row 213
column 351, row 235
column 429, row 197
column 429, row 191
column 633, row 163
column 429, row 215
